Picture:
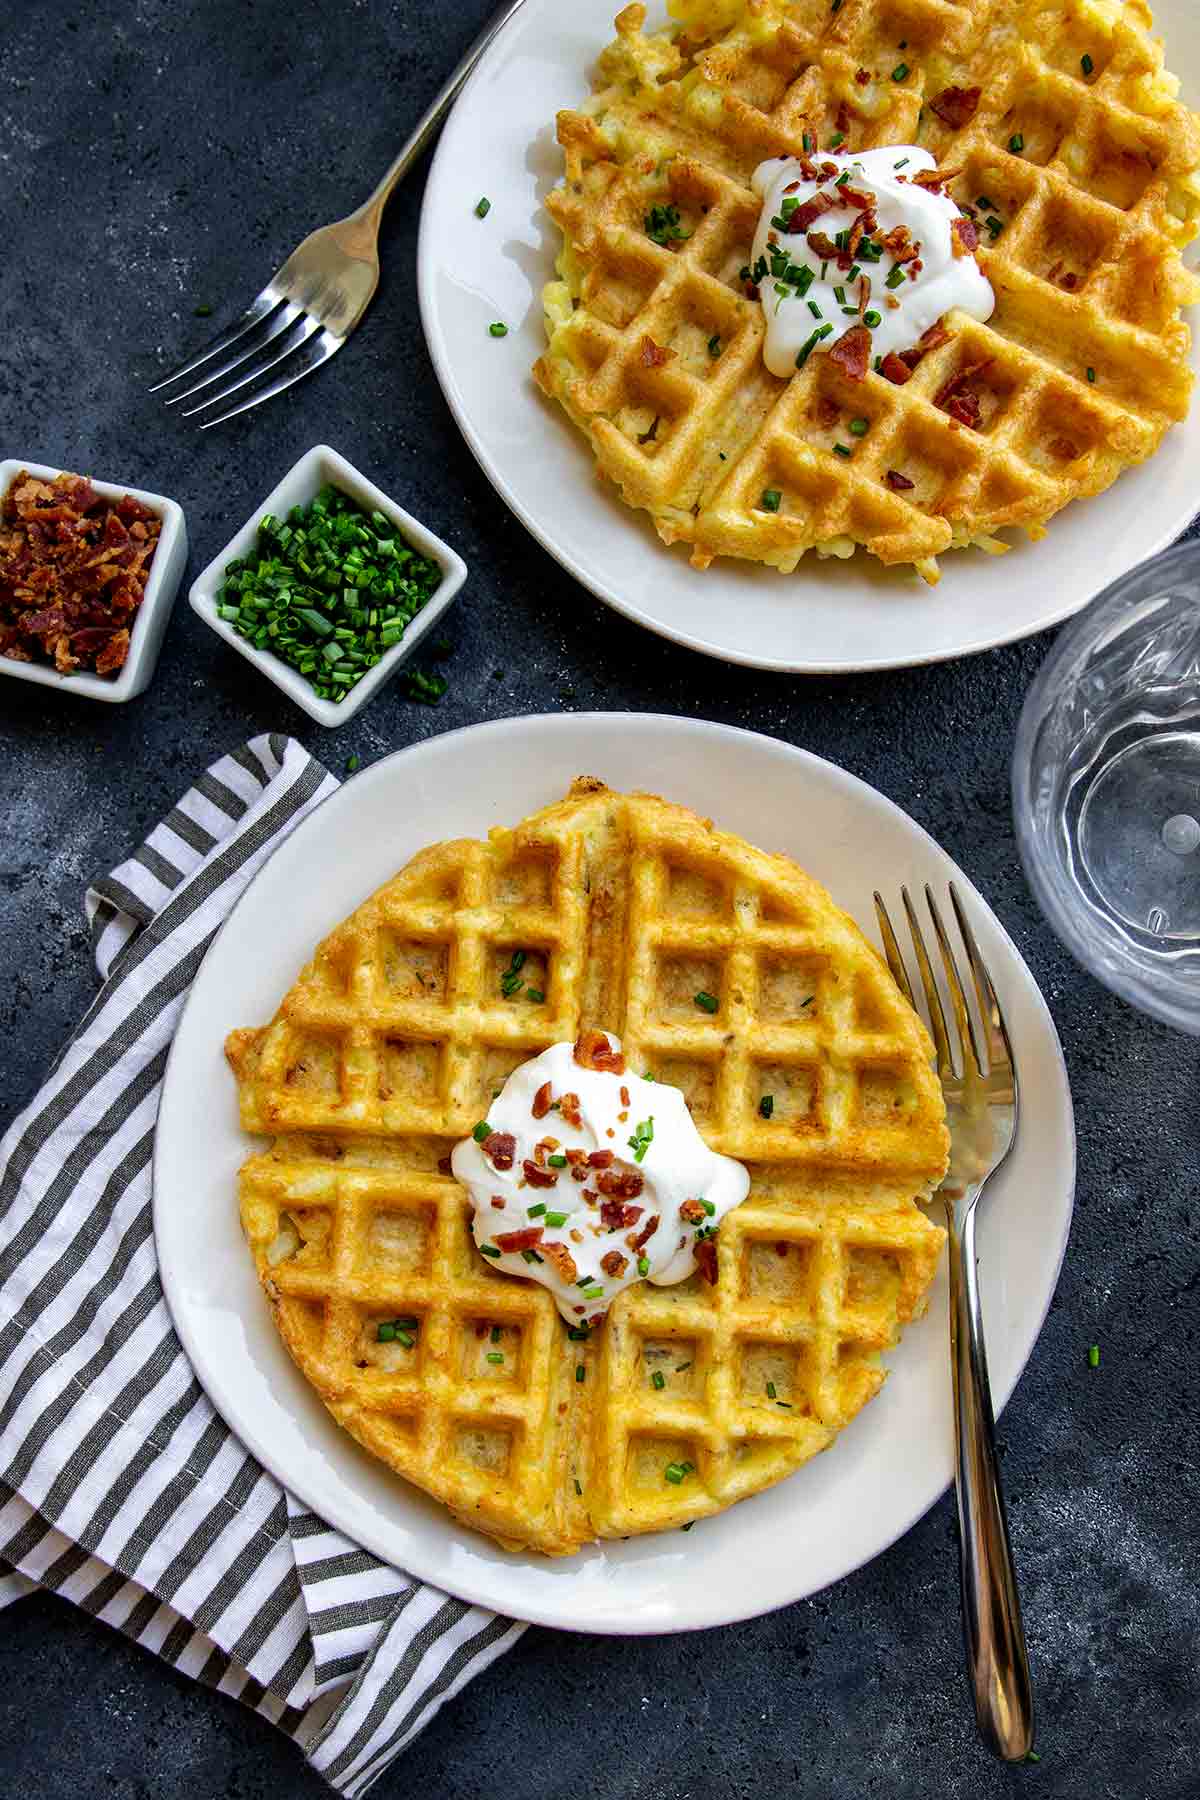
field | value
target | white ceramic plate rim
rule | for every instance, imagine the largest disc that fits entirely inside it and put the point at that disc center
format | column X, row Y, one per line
column 1126, row 524
column 647, row 1584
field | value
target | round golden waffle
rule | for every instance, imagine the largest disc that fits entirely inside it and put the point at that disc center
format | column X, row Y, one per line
column 389, row 1049
column 1074, row 147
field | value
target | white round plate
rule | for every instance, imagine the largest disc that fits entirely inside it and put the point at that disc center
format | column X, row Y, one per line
column 829, row 615
column 885, row 1469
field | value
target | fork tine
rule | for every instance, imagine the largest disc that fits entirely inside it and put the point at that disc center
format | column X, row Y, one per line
column 281, row 323
column 933, row 1000
column 1000, row 1054
column 304, row 327
column 302, row 362
column 258, row 309
column 958, row 999
column 891, row 950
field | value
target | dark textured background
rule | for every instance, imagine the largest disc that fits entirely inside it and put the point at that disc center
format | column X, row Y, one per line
column 164, row 156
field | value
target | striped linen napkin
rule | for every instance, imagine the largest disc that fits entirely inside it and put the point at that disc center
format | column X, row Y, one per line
column 120, row 1487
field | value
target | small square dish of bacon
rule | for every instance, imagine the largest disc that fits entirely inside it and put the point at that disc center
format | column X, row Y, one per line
column 88, row 574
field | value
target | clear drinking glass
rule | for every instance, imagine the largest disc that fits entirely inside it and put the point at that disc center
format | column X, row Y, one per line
column 1106, row 787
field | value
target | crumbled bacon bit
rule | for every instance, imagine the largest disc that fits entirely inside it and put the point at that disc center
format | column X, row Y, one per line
column 621, row 1184
column 706, row 1260
column 822, row 245
column 806, row 215
column 864, row 294
column 500, row 1148
column 625, row 1096
column 964, row 237
column 498, row 1202
column 619, row 1217
column 1064, row 448
column 692, row 1211
column 73, row 572
column 959, row 398
column 863, row 198
column 444, row 1167
column 525, row 1239
column 561, row 1257
column 892, row 304
column 652, row 355
column 613, row 1263
column 481, row 1328
column 934, row 180
column 842, row 118
column 1070, row 281
column 791, row 187
column 781, row 1247
column 852, row 353
column 539, row 1178
column 933, row 339
column 895, row 369
column 568, row 1108
column 899, row 484
column 599, row 1159
column 899, row 244
column 862, row 77
column 751, row 290
column 645, row 1234
column 956, row 106
column 542, row 1101
column 593, row 1051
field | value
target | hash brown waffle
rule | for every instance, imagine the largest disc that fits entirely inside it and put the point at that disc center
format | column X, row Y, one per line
column 1089, row 167
column 388, row 1050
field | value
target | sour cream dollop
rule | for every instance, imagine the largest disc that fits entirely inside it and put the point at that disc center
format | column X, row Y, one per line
column 590, row 1178
column 943, row 280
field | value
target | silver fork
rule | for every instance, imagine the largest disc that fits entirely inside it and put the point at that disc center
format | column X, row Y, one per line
column 982, row 1101
column 311, row 305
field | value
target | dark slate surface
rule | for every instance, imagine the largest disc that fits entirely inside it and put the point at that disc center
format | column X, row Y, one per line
column 163, row 156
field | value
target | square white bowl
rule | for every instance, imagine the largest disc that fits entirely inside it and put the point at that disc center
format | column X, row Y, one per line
column 150, row 620
column 319, row 467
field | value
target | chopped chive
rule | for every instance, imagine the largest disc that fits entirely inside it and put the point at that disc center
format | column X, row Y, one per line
column 770, row 498
column 900, row 72
column 985, row 204
column 766, row 1105
column 488, row 1250
column 556, row 1162
column 842, row 450
column 1016, row 143
column 786, row 1404
column 385, row 1334
column 850, row 311
column 497, row 330
column 406, row 1338
column 836, row 6
column 871, row 318
column 903, row 163
column 839, row 294
column 806, row 140
column 482, row 1130
column 580, row 1372
column 822, row 331
column 824, row 266
column 643, row 1265
column 643, row 1137
column 495, row 1356
column 842, row 179
column 770, row 1390
column 1094, row 1357
column 815, row 310
column 676, row 1472
column 714, row 344
column 662, row 226
column 495, row 1334
column 203, row 311
column 353, row 765
column 896, row 277
column 1091, row 374
column 995, row 226
column 536, row 995
column 658, row 1380
column 1031, row 1756
column 839, row 137
column 578, row 1489
column 860, row 427
column 854, row 273
column 708, row 1002
column 578, row 1334
column 531, row 1256
column 680, row 1367
column 1086, row 63
column 593, row 1293
column 535, row 1212
column 483, row 208
column 555, row 1220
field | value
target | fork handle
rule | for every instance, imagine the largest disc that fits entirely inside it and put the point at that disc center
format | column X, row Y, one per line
column 426, row 128
column 997, row 1658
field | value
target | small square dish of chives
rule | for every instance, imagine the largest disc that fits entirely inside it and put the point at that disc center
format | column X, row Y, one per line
column 328, row 587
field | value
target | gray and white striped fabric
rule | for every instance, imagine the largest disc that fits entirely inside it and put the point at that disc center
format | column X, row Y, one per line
column 120, row 1487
